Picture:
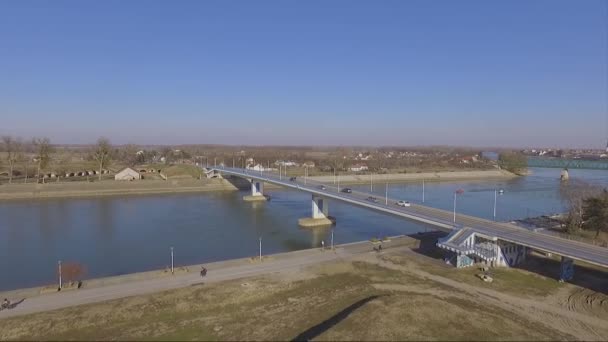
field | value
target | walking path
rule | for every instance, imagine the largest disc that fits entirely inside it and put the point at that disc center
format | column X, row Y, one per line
column 218, row 271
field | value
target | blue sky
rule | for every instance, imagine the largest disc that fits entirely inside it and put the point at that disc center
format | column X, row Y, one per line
column 479, row 73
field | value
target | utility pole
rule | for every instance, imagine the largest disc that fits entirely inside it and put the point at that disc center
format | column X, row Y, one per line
column 305, row 172
column 332, row 238
column 371, row 182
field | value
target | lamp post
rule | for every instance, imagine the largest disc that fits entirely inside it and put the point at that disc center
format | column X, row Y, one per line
column 371, row 182
column 172, row 270
column 386, row 195
column 457, row 192
column 423, row 191
column 338, row 182
column 260, row 248
column 334, row 174
column 59, row 269
column 332, row 238
column 305, row 172
column 495, row 192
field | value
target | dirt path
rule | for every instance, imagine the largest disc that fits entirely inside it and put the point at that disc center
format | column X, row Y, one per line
column 564, row 319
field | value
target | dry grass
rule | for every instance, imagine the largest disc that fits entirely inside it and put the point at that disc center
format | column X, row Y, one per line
column 335, row 301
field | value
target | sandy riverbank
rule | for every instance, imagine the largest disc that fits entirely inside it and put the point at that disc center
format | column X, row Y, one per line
column 111, row 188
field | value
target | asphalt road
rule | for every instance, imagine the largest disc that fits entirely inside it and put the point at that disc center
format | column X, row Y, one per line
column 442, row 219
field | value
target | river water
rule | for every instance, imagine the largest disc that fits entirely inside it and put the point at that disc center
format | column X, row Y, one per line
column 118, row 235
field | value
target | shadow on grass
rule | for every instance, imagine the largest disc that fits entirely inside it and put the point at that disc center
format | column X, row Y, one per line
column 587, row 277
column 322, row 327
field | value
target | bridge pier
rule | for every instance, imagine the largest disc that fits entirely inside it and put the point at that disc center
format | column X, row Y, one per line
column 320, row 217
column 257, row 192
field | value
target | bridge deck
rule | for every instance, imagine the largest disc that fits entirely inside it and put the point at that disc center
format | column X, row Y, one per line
column 442, row 219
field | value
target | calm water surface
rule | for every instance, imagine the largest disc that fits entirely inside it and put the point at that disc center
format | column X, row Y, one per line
column 117, row 235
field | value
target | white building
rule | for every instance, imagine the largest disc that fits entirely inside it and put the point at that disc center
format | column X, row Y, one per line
column 127, row 174
column 359, row 168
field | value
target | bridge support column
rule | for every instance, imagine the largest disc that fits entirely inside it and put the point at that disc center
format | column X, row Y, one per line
column 320, row 217
column 257, row 191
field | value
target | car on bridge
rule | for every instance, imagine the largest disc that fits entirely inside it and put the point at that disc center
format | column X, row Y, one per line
column 403, row 203
column 347, row 190
column 372, row 199
column 322, row 187
column 292, row 179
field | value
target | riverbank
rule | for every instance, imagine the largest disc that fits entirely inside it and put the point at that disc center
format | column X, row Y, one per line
column 112, row 188
column 184, row 275
column 426, row 176
column 149, row 187
column 401, row 293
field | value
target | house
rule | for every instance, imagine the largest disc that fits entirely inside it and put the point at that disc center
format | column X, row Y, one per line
column 358, row 168
column 257, row 167
column 127, row 174
column 308, row 164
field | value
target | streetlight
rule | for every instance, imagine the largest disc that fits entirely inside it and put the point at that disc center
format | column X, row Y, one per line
column 332, row 238
column 386, row 195
column 371, row 182
column 305, row 172
column 59, row 268
column 457, row 192
column 338, row 182
column 260, row 248
column 495, row 193
column 423, row 191
column 172, row 270
column 334, row 174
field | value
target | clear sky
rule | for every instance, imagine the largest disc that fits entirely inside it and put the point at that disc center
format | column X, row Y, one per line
column 404, row 72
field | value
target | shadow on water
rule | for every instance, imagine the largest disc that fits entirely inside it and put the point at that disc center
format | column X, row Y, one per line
column 322, row 327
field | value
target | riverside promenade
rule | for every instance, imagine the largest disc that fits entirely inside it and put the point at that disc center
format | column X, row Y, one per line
column 103, row 289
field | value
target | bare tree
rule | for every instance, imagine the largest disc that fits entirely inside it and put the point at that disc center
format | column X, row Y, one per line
column 13, row 149
column 574, row 194
column 102, row 153
column 43, row 153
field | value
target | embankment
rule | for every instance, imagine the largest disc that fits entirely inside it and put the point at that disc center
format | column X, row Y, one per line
column 113, row 188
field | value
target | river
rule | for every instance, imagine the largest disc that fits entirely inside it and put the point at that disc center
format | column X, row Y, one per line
column 118, row 235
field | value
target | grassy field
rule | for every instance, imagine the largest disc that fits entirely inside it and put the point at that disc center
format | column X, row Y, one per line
column 392, row 297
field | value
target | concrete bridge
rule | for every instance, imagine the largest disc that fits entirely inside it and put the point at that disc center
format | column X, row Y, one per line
column 499, row 241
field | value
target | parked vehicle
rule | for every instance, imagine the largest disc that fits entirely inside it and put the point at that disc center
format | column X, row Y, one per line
column 347, row 190
column 403, row 203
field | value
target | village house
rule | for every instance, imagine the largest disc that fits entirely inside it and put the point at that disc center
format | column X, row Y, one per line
column 127, row 174
column 358, row 168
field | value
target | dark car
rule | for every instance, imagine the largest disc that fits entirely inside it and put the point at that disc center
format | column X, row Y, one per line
column 322, row 187
column 347, row 190
column 292, row 179
column 372, row 199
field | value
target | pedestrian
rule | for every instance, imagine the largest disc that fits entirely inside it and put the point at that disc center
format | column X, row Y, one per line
column 323, row 244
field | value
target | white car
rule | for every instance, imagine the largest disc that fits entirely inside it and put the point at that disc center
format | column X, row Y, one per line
column 403, row 204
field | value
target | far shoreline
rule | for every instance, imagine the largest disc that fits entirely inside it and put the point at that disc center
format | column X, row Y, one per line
column 57, row 190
